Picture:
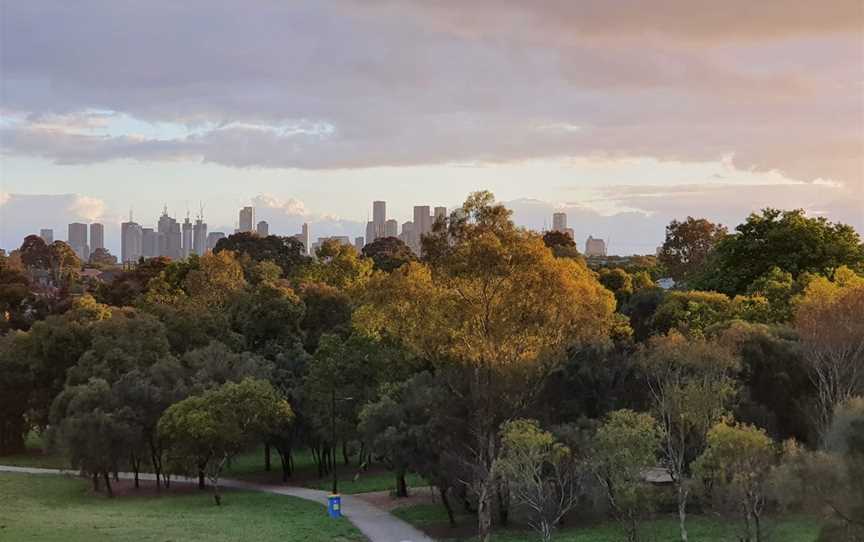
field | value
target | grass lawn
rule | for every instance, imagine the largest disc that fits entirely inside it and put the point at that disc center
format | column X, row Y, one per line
column 51, row 508
column 432, row 518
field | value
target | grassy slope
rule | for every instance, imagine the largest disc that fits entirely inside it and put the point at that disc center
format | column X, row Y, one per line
column 51, row 508
column 699, row 528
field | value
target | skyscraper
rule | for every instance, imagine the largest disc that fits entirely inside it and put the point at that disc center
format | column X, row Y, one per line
column 263, row 228
column 559, row 222
column 149, row 243
column 440, row 212
column 379, row 218
column 187, row 237
column 391, row 228
column 247, row 219
column 47, row 235
column 213, row 238
column 199, row 235
column 78, row 240
column 130, row 241
column 170, row 240
column 97, row 236
column 407, row 235
column 370, row 231
column 595, row 247
column 422, row 225
column 303, row 237
column 358, row 243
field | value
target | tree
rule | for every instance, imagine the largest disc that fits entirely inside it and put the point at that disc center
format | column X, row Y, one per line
column 388, row 253
column 540, row 472
column 205, row 431
column 338, row 265
column 268, row 318
column 830, row 323
column 16, row 384
column 86, row 425
column 64, row 263
column 101, row 256
column 129, row 284
column 286, row 252
column 561, row 244
column 737, row 463
column 691, row 384
column 692, row 312
column 491, row 298
column 787, row 240
column 624, row 448
column 617, row 281
column 35, row 253
column 14, row 295
column 328, row 310
column 688, row 245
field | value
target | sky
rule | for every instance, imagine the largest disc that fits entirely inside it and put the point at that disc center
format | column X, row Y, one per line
column 624, row 114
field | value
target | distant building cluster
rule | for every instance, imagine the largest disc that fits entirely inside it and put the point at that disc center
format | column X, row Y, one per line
column 177, row 240
column 412, row 231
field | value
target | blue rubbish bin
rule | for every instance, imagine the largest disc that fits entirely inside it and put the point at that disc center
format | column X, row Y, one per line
column 334, row 506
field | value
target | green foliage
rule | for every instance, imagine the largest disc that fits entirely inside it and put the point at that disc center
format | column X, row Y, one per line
column 787, row 240
column 328, row 310
column 625, row 447
column 688, row 245
column 14, row 294
column 737, row 463
column 617, row 281
column 540, row 472
column 286, row 252
column 692, row 312
column 338, row 265
column 388, row 253
column 204, row 431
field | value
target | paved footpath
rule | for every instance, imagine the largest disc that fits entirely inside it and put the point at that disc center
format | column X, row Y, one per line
column 378, row 525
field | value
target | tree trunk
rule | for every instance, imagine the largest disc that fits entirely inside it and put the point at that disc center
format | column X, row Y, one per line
column 401, row 484
column 502, row 492
column 201, row 484
column 446, row 502
column 345, row 458
column 682, row 510
column 156, row 460
column 484, row 514
column 95, row 482
column 108, row 485
column 267, row 457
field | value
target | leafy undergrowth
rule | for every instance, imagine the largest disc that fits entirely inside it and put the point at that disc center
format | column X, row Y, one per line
column 432, row 519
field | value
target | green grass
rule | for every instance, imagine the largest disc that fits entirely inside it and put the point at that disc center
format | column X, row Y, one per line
column 700, row 528
column 250, row 465
column 50, row 508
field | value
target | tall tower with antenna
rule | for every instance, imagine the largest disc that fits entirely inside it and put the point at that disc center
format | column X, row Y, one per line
column 199, row 233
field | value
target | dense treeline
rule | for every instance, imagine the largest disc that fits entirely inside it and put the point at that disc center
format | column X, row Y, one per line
column 500, row 366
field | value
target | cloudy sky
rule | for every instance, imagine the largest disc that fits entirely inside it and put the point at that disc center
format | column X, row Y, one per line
column 624, row 113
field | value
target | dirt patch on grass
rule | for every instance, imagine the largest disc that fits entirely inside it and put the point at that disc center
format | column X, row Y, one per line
column 387, row 500
column 147, row 488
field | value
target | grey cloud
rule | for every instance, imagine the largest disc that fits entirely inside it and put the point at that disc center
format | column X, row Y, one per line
column 405, row 83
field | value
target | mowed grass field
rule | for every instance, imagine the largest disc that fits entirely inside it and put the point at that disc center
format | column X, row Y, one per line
column 432, row 518
column 50, row 508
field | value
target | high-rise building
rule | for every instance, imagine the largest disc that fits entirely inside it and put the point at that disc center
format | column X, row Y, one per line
column 130, row 241
column 263, row 228
column 47, row 235
column 97, row 236
column 170, row 243
column 149, row 243
column 247, row 219
column 199, row 236
column 391, row 228
column 559, row 221
column 359, row 244
column 370, row 231
column 407, row 235
column 187, row 237
column 440, row 212
column 77, row 239
column 213, row 238
column 422, row 225
column 595, row 247
column 379, row 219
column 303, row 237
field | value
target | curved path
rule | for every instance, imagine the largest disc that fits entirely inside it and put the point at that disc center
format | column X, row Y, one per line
column 376, row 524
